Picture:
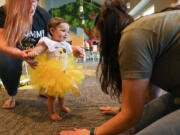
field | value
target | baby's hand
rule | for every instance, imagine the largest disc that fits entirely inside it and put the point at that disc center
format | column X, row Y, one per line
column 32, row 54
column 77, row 51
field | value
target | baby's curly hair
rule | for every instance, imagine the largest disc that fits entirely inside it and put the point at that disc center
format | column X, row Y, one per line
column 54, row 22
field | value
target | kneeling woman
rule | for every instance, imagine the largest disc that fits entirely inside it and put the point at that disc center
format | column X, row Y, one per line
column 135, row 55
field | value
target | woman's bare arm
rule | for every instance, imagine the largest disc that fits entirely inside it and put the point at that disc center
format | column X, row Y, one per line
column 10, row 50
column 134, row 94
column 133, row 99
column 14, row 52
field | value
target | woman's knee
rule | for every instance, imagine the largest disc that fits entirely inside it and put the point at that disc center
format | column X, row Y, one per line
column 153, row 93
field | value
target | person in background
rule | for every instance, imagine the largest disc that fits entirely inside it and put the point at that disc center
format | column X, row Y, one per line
column 86, row 45
column 136, row 57
column 175, row 5
column 86, row 50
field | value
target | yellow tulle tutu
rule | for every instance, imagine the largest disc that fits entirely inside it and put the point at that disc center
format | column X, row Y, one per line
column 50, row 76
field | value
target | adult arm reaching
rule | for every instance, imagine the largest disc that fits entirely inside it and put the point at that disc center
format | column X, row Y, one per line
column 133, row 98
column 153, row 93
column 15, row 52
column 11, row 50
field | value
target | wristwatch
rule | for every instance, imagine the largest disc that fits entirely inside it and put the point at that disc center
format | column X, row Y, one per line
column 92, row 131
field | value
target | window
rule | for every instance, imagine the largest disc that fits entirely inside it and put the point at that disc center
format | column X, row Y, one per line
column 149, row 11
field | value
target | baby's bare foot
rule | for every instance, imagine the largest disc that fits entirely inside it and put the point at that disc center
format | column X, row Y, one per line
column 55, row 117
column 64, row 109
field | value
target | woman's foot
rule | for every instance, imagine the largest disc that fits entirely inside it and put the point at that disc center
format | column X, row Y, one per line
column 55, row 117
column 9, row 104
column 109, row 110
column 64, row 109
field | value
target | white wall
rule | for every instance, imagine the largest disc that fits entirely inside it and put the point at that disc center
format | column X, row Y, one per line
column 158, row 6
column 161, row 4
column 2, row 2
column 43, row 4
column 57, row 3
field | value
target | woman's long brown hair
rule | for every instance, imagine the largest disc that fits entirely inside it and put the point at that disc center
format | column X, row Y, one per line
column 110, row 22
column 17, row 21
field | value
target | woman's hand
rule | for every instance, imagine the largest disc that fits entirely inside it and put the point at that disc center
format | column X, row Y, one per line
column 77, row 51
column 109, row 110
column 28, row 59
column 76, row 132
column 23, row 54
column 32, row 63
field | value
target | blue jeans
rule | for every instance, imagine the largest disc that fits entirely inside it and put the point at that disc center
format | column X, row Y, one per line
column 10, row 72
column 160, row 117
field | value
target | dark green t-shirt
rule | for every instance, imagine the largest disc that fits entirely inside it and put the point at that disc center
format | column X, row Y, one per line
column 150, row 48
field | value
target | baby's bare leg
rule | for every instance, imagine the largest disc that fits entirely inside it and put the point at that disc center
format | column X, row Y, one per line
column 62, row 108
column 52, row 110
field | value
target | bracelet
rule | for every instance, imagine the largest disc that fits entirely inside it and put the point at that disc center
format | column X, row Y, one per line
column 92, row 131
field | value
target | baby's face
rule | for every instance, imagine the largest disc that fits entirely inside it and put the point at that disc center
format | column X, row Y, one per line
column 61, row 32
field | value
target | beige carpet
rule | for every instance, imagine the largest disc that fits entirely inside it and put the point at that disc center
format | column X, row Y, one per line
column 30, row 117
